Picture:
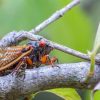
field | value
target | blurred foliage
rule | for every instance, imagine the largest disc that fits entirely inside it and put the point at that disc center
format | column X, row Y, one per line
column 66, row 94
column 76, row 29
column 47, row 96
column 92, row 9
column 58, row 94
column 97, row 95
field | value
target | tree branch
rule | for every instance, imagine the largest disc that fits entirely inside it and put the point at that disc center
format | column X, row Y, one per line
column 6, row 41
column 58, row 14
column 73, row 52
column 15, row 37
column 43, row 78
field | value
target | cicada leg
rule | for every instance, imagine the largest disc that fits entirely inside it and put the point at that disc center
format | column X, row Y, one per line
column 23, row 64
column 48, row 61
column 52, row 61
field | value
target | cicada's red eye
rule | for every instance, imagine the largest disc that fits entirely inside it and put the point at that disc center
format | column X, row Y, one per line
column 42, row 43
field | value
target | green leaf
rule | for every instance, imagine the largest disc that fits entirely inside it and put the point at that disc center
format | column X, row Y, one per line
column 97, row 95
column 66, row 93
column 63, row 93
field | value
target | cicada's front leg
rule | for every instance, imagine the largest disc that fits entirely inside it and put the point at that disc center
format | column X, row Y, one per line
column 48, row 61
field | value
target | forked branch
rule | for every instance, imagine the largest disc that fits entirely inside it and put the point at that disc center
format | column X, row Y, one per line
column 66, row 75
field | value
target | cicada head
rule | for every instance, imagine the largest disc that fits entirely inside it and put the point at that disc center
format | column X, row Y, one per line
column 41, row 46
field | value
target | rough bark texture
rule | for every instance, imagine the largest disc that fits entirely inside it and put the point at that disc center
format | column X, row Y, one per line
column 47, row 77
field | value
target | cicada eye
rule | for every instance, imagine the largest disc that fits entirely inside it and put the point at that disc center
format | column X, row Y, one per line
column 42, row 43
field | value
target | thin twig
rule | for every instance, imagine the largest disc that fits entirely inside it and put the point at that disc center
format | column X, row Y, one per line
column 30, row 35
column 55, row 16
column 15, row 37
column 73, row 52
column 69, row 50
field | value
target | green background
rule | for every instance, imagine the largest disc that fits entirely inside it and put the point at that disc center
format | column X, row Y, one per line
column 76, row 29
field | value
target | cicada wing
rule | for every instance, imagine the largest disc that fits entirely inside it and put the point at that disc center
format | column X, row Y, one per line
column 9, row 54
column 12, row 55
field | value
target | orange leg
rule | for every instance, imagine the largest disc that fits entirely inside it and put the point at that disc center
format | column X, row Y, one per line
column 48, row 61
column 53, row 60
column 25, row 61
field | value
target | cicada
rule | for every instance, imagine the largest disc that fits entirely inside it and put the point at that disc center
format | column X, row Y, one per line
column 31, row 55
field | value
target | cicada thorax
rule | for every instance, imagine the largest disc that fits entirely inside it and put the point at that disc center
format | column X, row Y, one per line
column 41, row 50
